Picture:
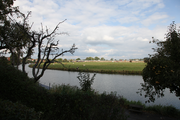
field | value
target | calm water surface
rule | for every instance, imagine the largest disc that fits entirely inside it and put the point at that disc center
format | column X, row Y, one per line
column 124, row 85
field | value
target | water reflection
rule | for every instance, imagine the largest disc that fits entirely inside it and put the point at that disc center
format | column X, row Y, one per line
column 125, row 85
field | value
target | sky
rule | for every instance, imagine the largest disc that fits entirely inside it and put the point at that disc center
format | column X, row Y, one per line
column 118, row 29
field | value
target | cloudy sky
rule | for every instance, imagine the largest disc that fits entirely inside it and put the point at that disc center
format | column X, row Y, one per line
column 119, row 29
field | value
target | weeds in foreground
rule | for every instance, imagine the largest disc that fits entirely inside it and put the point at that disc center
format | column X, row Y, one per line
column 164, row 110
column 169, row 111
column 62, row 101
column 127, row 102
column 17, row 111
column 86, row 105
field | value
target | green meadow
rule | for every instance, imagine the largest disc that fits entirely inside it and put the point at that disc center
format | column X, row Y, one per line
column 102, row 67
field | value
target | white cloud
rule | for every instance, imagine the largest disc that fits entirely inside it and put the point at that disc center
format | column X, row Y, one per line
column 116, row 28
column 91, row 38
column 108, row 38
column 145, row 39
column 91, row 51
column 128, row 19
column 154, row 18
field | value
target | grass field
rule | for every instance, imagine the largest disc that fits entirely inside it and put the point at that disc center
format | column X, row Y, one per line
column 102, row 67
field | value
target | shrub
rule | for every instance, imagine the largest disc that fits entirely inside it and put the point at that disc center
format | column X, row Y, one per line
column 63, row 89
column 164, row 110
column 16, row 86
column 17, row 111
column 61, row 102
column 108, row 107
column 4, row 61
column 72, row 103
column 85, row 80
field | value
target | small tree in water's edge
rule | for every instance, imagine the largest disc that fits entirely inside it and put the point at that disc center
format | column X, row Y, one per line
column 85, row 80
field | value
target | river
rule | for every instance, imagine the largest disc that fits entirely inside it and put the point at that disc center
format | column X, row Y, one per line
column 123, row 85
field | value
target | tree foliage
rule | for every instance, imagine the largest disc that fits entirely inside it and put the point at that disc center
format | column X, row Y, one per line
column 18, row 41
column 163, row 68
column 78, row 59
column 14, row 59
column 12, row 37
column 89, row 58
column 102, row 58
column 96, row 58
column 17, row 36
column 59, row 60
column 6, row 12
column 65, row 60
column 146, row 59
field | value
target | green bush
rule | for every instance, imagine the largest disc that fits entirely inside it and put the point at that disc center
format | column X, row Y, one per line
column 4, row 61
column 85, row 80
column 71, row 103
column 17, row 111
column 108, row 107
column 63, row 89
column 127, row 102
column 164, row 110
column 16, row 86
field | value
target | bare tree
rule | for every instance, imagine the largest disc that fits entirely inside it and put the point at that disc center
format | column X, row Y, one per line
column 29, row 39
column 46, row 46
column 44, row 51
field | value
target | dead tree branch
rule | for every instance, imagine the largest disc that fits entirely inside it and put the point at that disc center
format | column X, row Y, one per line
column 44, row 51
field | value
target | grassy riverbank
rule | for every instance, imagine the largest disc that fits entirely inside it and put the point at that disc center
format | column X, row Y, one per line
column 23, row 99
column 102, row 67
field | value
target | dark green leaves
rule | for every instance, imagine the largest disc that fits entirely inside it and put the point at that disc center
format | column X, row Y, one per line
column 163, row 68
